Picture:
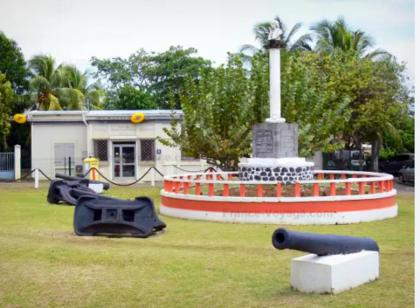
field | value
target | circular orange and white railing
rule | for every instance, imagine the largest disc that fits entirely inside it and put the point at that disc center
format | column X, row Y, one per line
column 333, row 197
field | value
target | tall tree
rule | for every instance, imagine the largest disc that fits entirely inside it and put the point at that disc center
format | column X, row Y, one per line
column 44, row 82
column 316, row 95
column 160, row 75
column 12, row 64
column 6, row 101
column 337, row 35
column 262, row 31
column 381, row 101
column 379, row 94
column 62, row 87
column 219, row 111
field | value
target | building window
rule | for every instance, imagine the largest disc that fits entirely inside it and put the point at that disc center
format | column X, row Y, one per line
column 100, row 149
column 147, row 149
column 62, row 152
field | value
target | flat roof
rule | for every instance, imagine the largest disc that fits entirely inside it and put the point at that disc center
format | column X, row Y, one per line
column 100, row 115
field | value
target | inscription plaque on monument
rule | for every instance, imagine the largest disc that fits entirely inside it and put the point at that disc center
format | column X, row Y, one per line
column 264, row 141
column 275, row 140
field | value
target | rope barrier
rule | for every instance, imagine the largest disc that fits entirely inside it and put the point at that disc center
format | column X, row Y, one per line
column 209, row 169
column 126, row 184
column 206, row 170
column 25, row 176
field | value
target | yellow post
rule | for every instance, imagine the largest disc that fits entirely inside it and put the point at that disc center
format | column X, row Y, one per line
column 92, row 162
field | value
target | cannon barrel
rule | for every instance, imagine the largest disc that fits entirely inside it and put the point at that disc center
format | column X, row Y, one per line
column 321, row 244
column 76, row 178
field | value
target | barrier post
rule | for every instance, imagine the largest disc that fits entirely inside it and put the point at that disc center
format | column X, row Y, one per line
column 297, row 189
column 316, row 189
column 93, row 170
column 381, row 186
column 176, row 187
column 278, row 189
column 348, row 188
column 361, row 188
column 372, row 187
column 241, row 190
column 197, row 188
column 225, row 190
column 36, row 177
column 332, row 189
column 259, row 190
column 17, row 162
column 211, row 189
column 186, row 188
column 153, row 177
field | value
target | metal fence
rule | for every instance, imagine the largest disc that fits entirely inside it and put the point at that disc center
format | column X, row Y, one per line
column 7, row 165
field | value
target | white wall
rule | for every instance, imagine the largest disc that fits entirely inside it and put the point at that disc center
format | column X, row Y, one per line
column 43, row 138
column 45, row 135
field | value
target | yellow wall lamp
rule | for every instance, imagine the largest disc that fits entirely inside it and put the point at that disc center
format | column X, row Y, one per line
column 137, row 117
column 20, row 118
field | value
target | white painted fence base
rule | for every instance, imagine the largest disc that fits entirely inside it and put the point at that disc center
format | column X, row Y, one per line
column 333, row 274
column 328, row 218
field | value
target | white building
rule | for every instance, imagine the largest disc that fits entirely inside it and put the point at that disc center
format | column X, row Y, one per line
column 125, row 150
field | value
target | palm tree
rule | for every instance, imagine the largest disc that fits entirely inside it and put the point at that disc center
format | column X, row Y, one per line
column 44, row 78
column 75, row 88
column 337, row 35
column 262, row 31
column 62, row 87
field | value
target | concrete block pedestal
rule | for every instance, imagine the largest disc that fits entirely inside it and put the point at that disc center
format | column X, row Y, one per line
column 97, row 187
column 335, row 273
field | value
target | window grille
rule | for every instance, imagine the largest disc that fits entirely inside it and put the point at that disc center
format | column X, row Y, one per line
column 147, row 149
column 100, row 149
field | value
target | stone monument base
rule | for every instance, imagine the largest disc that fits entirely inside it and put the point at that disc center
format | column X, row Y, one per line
column 286, row 170
column 335, row 273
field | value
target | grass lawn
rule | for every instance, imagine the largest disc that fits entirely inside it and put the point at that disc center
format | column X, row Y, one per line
column 191, row 264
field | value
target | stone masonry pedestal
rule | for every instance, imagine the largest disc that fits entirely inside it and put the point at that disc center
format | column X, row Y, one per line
column 275, row 155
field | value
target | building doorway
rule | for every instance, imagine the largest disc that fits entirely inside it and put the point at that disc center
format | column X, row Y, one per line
column 124, row 159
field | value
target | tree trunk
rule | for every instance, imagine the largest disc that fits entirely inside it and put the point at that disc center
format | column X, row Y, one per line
column 376, row 146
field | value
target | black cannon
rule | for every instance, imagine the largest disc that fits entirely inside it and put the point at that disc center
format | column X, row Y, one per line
column 95, row 214
column 62, row 191
column 321, row 244
column 110, row 216
column 76, row 178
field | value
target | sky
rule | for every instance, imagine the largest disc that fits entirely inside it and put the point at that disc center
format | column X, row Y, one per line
column 73, row 31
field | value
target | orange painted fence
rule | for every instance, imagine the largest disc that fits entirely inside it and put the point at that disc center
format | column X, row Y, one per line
column 325, row 183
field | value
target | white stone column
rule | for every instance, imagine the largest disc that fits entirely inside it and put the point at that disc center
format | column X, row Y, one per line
column 17, row 162
column 275, row 86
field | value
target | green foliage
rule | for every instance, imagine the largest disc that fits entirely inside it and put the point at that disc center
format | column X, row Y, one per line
column 62, row 87
column 6, row 101
column 161, row 75
column 337, row 35
column 219, row 111
column 262, row 31
column 12, row 64
column 403, row 139
column 316, row 92
column 130, row 98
